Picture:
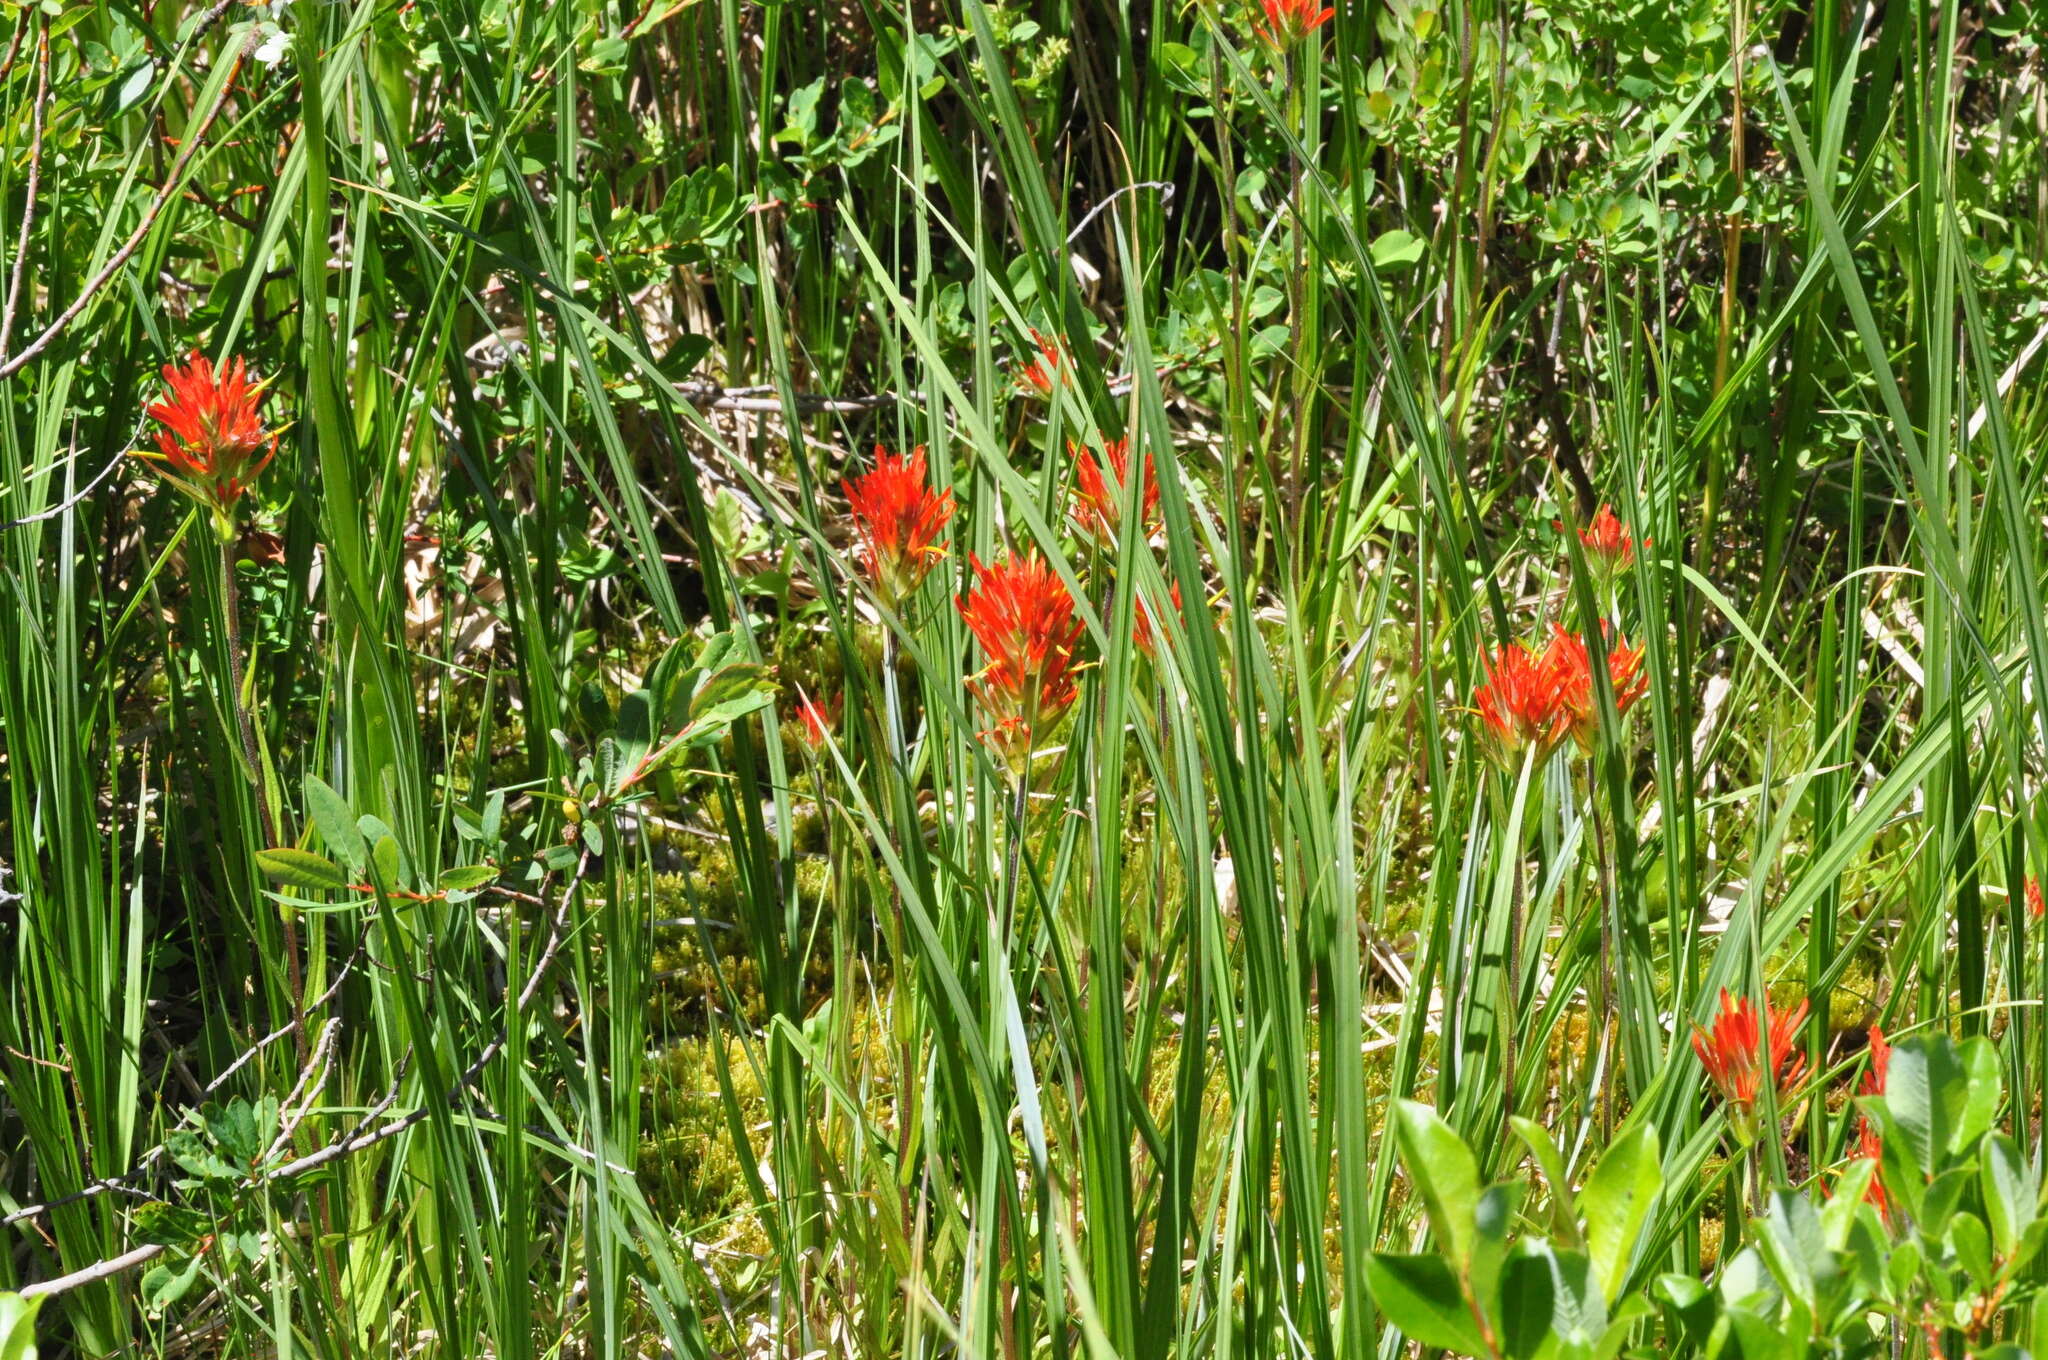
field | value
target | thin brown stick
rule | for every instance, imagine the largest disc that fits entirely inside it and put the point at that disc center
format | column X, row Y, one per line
column 125, row 1182
column 712, row 397
column 35, row 180
column 356, row 1141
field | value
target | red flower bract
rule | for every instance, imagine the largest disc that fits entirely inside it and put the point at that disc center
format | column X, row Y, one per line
column 1099, row 491
column 1023, row 616
column 1571, row 667
column 1869, row 1142
column 212, row 442
column 1735, row 1056
column 817, row 719
column 1880, row 1063
column 1609, row 549
column 1289, row 21
column 898, row 518
column 2036, row 908
column 1044, row 373
column 1519, row 703
column 1141, row 629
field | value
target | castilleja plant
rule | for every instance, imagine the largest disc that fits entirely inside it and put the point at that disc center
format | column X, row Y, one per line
column 211, row 442
column 1571, row 668
column 1870, row 1142
column 898, row 518
column 1739, row 1056
column 1023, row 616
column 1609, row 549
column 1520, row 705
column 1100, row 491
column 1044, row 373
column 1290, row 21
column 1521, row 720
column 817, row 719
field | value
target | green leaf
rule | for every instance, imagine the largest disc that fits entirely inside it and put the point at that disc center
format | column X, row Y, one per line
column 1564, row 1221
column 18, row 1327
column 336, row 823
column 466, row 877
column 1689, row 1304
column 242, row 1129
column 1745, row 1281
column 301, row 868
column 1971, row 1243
column 389, row 862
column 197, row 1156
column 1616, row 1202
column 1395, row 248
column 1445, row 1174
column 165, row 1284
column 1982, row 1092
column 1550, row 1303
column 2012, row 1195
column 1924, row 1093
column 1420, row 1295
column 1944, row 1195
column 170, row 1225
column 635, row 732
column 1796, row 1249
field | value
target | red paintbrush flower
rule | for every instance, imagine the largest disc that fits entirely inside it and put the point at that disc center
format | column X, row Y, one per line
column 818, row 720
column 1869, row 1142
column 1572, row 667
column 1519, row 704
column 2036, row 908
column 1609, row 549
column 1044, row 372
column 898, row 518
column 212, row 441
column 1141, row 627
column 1099, row 491
column 1736, row 1057
column 1023, row 616
column 1880, row 1063
column 1289, row 21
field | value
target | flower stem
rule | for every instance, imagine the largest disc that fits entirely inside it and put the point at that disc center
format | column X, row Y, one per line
column 252, row 768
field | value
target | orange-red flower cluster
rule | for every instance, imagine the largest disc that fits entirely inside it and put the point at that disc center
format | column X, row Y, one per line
column 1536, row 699
column 2036, row 908
column 1100, row 489
column 1518, row 702
column 898, row 518
column 1289, row 21
column 1044, row 372
column 1023, row 616
column 212, row 442
column 1736, row 1056
column 1568, row 658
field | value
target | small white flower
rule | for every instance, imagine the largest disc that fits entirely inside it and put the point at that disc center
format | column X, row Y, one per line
column 273, row 47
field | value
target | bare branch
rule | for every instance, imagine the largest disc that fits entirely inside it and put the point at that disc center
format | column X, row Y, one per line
column 113, row 266
column 35, row 179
